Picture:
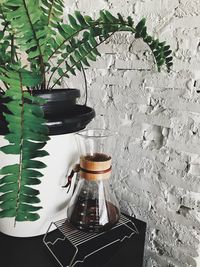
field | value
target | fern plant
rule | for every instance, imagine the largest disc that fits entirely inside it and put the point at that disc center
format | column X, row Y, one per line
column 27, row 136
column 53, row 50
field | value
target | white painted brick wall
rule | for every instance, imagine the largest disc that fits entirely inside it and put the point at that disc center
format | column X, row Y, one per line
column 157, row 115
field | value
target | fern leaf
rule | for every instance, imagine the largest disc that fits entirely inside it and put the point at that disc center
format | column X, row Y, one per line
column 19, row 198
column 53, row 10
column 110, row 17
column 26, row 18
column 81, row 19
column 74, row 23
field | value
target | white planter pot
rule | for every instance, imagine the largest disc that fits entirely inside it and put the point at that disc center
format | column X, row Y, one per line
column 54, row 199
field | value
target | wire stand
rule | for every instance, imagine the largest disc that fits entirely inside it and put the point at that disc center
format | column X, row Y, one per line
column 80, row 245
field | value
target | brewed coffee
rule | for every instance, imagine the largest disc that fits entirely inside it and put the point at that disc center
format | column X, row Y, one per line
column 86, row 215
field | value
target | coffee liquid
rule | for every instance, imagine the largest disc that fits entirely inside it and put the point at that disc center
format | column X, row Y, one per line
column 97, row 157
column 86, row 215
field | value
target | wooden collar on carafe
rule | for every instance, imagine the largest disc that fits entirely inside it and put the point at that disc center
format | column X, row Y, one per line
column 96, row 167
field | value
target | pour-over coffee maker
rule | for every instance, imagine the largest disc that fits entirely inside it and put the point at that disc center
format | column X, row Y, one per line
column 93, row 206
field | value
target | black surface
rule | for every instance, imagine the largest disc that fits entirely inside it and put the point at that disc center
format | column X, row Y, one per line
column 31, row 252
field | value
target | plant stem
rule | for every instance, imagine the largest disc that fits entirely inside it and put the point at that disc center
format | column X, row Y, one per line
column 50, row 9
column 21, row 149
column 12, row 49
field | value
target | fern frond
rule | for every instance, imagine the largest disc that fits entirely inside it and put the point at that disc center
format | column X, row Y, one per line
column 27, row 136
column 26, row 19
column 8, row 48
column 76, row 49
column 78, row 53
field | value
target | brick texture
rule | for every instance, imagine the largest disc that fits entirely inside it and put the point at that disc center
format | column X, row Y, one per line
column 157, row 115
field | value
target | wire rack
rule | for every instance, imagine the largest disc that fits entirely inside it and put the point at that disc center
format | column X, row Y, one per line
column 80, row 245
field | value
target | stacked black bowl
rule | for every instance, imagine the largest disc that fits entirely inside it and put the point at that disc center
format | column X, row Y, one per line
column 61, row 111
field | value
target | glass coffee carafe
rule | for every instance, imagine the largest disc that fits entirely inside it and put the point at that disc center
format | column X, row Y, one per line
column 93, row 206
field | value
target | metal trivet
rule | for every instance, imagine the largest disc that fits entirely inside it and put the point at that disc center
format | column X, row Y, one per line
column 80, row 245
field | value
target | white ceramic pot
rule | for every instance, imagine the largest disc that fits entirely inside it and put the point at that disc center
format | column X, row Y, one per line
column 63, row 154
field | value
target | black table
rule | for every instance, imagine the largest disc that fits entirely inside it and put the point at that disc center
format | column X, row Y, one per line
column 32, row 252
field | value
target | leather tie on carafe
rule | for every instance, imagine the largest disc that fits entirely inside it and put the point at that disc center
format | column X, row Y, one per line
column 75, row 169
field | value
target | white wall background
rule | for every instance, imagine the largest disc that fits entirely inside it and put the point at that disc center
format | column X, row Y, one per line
column 157, row 175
